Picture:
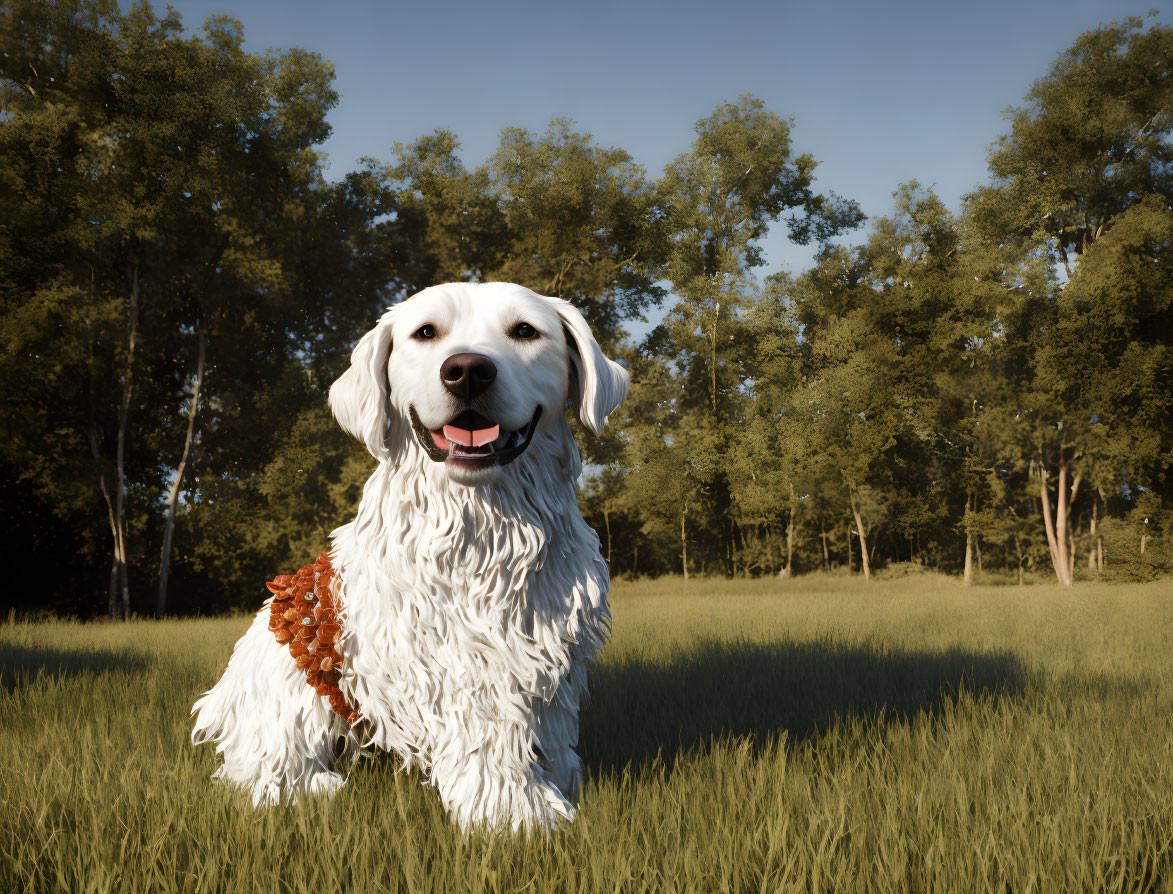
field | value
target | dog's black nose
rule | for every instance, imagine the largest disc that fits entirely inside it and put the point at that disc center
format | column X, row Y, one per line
column 467, row 375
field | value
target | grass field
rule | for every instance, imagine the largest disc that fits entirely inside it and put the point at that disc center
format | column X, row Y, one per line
column 813, row 735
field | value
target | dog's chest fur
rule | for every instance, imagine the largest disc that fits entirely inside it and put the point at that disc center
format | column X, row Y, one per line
column 465, row 604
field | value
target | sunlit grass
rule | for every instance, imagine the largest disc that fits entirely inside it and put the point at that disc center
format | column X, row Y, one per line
column 816, row 734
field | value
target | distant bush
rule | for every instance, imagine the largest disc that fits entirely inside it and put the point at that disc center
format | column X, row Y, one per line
column 907, row 569
column 1123, row 560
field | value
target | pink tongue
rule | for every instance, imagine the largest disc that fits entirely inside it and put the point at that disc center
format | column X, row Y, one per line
column 477, row 438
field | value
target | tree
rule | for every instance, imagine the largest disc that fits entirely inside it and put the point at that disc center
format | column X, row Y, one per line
column 667, row 477
column 80, row 118
column 1088, row 143
column 1087, row 161
column 170, row 174
column 582, row 224
column 769, row 462
column 719, row 199
column 249, row 171
column 557, row 213
column 447, row 223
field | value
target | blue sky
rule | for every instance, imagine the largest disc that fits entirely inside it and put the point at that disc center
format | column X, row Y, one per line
column 880, row 92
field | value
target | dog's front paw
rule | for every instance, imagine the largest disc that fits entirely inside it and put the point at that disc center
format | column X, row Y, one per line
column 325, row 784
column 266, row 794
column 541, row 806
column 488, row 801
column 559, row 810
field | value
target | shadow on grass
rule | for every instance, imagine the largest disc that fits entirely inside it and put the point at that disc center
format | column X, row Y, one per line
column 23, row 664
column 640, row 708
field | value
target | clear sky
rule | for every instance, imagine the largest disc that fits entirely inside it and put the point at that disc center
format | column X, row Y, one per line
column 880, row 92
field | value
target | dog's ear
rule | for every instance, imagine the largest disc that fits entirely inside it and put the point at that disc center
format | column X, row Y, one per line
column 360, row 399
column 599, row 384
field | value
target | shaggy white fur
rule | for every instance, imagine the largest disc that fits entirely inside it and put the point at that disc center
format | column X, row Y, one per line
column 472, row 591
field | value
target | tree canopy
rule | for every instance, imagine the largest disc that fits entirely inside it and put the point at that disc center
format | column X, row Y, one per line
column 986, row 390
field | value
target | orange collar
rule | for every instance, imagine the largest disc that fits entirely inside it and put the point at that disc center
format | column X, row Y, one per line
column 304, row 615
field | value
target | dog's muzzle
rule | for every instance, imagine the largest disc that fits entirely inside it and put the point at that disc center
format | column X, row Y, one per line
column 472, row 440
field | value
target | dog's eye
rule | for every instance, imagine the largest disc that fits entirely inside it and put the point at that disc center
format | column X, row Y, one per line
column 425, row 332
column 523, row 330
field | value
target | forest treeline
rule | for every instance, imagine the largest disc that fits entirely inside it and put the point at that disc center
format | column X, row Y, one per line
column 986, row 392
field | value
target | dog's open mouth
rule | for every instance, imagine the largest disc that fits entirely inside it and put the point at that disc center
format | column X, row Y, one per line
column 472, row 439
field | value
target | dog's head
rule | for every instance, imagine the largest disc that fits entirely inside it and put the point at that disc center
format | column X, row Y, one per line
column 469, row 373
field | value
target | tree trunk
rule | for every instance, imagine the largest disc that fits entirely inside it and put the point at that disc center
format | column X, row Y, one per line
column 1048, row 522
column 112, row 594
column 103, row 482
column 735, row 541
column 789, row 570
column 967, row 577
column 790, row 545
column 1063, row 522
column 173, row 496
column 849, row 559
column 823, row 537
column 1056, row 526
column 1100, row 540
column 124, row 577
column 713, row 359
column 115, row 541
column 683, row 544
column 607, row 524
column 863, row 540
column 122, row 587
column 1091, row 548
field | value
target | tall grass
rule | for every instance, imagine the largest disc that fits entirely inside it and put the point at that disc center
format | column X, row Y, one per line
column 816, row 734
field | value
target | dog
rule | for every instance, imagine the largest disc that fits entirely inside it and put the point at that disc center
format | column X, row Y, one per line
column 453, row 618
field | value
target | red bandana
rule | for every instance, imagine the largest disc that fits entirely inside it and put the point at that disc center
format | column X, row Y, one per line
column 305, row 616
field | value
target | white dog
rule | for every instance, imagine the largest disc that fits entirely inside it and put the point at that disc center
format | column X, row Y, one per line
column 467, row 594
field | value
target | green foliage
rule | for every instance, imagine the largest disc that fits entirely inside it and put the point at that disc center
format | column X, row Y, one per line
column 1147, row 526
column 161, row 190
column 1082, row 361
column 557, row 213
column 719, row 199
column 1088, row 143
column 248, row 528
column 917, row 393
column 582, row 221
column 448, row 225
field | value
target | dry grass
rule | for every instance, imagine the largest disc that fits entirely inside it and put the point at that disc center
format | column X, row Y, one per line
column 744, row 736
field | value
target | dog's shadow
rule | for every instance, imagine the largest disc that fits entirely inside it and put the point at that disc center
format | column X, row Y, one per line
column 670, row 706
column 20, row 665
